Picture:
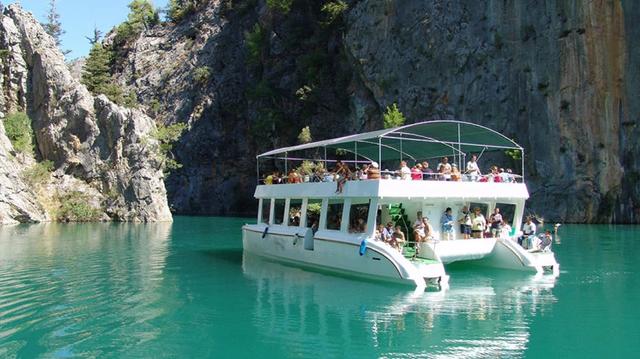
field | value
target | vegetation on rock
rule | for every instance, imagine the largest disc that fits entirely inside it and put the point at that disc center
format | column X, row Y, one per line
column 393, row 117
column 17, row 127
column 201, row 74
column 255, row 41
column 177, row 10
column 39, row 173
column 167, row 136
column 76, row 206
column 142, row 16
column 305, row 135
column 53, row 26
column 333, row 10
column 283, row 6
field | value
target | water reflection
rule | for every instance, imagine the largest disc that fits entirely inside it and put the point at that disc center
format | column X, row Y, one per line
column 486, row 313
column 77, row 283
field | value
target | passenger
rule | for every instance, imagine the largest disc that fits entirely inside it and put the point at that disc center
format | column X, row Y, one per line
column 504, row 176
column 398, row 239
column 496, row 223
column 478, row 223
column 446, row 223
column 377, row 235
column 387, row 232
column 419, row 234
column 404, row 171
column 427, row 173
column 473, row 171
column 293, row 177
column 428, row 229
column 505, row 232
column 546, row 241
column 416, row 172
column 510, row 176
column 269, row 179
column 342, row 174
column 455, row 173
column 363, row 173
column 495, row 175
column 528, row 230
column 465, row 223
column 444, row 169
column 373, row 173
column 418, row 218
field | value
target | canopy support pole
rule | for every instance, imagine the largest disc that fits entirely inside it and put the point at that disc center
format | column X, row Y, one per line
column 401, row 148
column 459, row 155
column 286, row 172
column 355, row 145
column 326, row 167
column 380, row 152
column 522, row 159
column 258, row 170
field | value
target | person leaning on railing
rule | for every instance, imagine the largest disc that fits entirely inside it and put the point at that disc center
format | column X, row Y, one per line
column 373, row 172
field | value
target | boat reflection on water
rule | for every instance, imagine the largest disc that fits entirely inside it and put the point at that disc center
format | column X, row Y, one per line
column 488, row 313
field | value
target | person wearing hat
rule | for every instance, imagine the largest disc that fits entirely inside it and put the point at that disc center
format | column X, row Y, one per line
column 373, row 172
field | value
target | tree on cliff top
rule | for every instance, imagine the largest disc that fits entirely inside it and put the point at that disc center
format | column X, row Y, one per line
column 393, row 117
column 96, row 74
column 53, row 26
column 142, row 15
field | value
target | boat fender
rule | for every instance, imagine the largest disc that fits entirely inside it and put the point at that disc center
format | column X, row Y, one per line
column 296, row 236
column 363, row 247
column 264, row 234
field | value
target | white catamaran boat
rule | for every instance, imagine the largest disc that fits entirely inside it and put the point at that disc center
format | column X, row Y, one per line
column 312, row 223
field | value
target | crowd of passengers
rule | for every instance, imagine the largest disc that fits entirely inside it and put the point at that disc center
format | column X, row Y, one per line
column 445, row 171
column 472, row 224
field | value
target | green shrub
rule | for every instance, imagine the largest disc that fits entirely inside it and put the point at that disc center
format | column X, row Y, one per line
column 283, row 6
column 76, row 206
column 333, row 10
column 17, row 127
column 167, row 136
column 142, row 15
column 393, row 117
column 201, row 74
column 255, row 41
column 177, row 10
column 305, row 135
column 39, row 173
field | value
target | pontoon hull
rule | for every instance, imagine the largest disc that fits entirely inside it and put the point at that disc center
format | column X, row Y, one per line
column 337, row 255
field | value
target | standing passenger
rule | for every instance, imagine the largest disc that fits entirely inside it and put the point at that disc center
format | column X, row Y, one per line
column 373, row 173
column 447, row 224
column 478, row 223
column 465, row 223
column 473, row 171
column 427, row 173
column 444, row 169
column 416, row 172
column 405, row 172
column 496, row 223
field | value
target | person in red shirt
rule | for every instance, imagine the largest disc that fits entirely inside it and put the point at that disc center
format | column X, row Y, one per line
column 416, row 172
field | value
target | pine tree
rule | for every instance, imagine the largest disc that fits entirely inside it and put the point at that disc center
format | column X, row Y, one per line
column 53, row 26
column 95, row 38
column 96, row 74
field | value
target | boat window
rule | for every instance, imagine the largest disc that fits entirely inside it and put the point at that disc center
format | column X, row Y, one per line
column 266, row 209
column 278, row 211
column 483, row 207
column 334, row 214
column 295, row 211
column 358, row 215
column 313, row 213
column 507, row 211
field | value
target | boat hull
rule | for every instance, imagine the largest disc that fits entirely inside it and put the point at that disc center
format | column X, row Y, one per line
column 333, row 253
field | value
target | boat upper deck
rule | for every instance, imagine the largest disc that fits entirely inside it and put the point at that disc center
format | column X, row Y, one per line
column 391, row 188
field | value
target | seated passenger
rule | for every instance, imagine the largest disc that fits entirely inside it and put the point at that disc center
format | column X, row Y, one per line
column 446, row 223
column 444, row 169
column 504, row 176
column 269, row 179
column 377, row 235
column 387, row 232
column 455, row 173
column 373, row 173
column 398, row 239
column 343, row 173
column 416, row 172
column 427, row 173
column 546, row 241
column 419, row 234
column 363, row 172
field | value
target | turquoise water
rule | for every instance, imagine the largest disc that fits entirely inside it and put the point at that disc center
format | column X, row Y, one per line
column 185, row 290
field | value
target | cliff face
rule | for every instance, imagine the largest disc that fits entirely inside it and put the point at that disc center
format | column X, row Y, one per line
column 98, row 149
column 559, row 77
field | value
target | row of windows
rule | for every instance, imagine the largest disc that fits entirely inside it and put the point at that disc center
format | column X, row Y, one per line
column 357, row 219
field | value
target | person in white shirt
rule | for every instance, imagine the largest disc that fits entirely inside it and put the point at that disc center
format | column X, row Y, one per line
column 405, row 172
column 528, row 230
column 473, row 171
column 444, row 168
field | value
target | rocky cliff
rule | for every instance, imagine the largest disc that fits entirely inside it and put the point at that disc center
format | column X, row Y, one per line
column 102, row 156
column 558, row 77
